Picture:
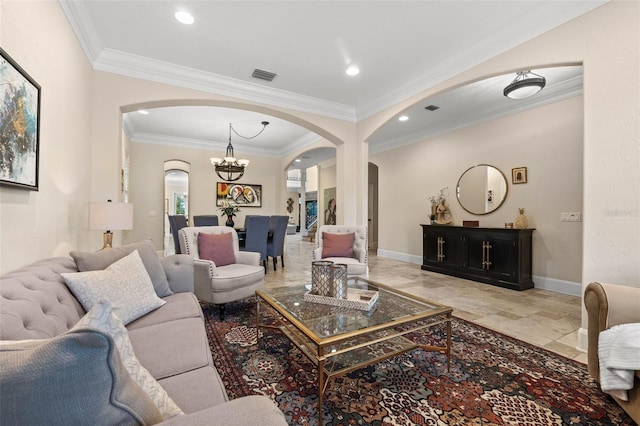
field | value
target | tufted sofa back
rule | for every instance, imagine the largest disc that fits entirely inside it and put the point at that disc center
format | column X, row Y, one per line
column 35, row 303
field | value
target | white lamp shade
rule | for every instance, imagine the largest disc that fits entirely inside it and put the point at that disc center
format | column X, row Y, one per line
column 110, row 216
column 215, row 160
column 243, row 162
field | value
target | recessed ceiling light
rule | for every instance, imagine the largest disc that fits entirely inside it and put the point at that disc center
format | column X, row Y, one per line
column 143, row 112
column 184, row 17
column 353, row 70
column 298, row 160
column 403, row 118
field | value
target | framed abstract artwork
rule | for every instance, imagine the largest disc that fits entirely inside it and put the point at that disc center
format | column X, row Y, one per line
column 19, row 127
column 238, row 194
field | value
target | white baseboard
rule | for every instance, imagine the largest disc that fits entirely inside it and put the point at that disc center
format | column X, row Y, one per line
column 559, row 286
column 544, row 283
column 582, row 340
column 404, row 257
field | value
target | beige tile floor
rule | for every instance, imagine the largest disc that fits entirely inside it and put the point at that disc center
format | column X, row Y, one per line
column 540, row 317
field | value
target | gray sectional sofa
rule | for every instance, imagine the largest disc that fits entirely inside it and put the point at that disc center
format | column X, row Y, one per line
column 170, row 342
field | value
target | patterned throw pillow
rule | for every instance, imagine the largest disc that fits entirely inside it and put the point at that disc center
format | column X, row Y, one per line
column 98, row 260
column 337, row 245
column 216, row 247
column 125, row 283
column 102, row 318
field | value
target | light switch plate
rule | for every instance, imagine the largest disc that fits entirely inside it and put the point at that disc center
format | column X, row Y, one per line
column 570, row 217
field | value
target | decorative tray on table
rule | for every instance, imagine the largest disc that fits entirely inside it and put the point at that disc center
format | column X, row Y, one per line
column 360, row 299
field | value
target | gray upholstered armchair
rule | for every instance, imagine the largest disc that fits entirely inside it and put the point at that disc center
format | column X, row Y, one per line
column 356, row 258
column 221, row 284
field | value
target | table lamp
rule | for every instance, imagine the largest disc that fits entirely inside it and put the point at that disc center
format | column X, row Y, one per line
column 110, row 217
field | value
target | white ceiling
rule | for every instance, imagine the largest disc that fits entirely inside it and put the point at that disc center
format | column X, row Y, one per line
column 401, row 48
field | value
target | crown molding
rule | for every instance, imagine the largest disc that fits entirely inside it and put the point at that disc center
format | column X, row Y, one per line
column 175, row 141
column 565, row 90
column 144, row 68
column 158, row 139
column 77, row 15
column 299, row 144
column 122, row 63
column 493, row 44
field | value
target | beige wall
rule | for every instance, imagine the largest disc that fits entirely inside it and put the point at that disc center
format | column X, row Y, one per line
column 551, row 149
column 607, row 43
column 51, row 221
column 147, row 187
column 81, row 133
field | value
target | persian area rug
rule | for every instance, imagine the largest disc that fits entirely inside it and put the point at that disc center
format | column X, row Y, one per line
column 494, row 379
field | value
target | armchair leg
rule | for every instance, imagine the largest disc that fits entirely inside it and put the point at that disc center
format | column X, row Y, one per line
column 221, row 307
column 282, row 260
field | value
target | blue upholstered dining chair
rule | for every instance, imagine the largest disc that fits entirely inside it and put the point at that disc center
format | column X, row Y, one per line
column 205, row 220
column 176, row 223
column 257, row 231
column 275, row 246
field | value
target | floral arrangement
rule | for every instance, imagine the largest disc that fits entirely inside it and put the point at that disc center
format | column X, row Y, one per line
column 228, row 210
column 438, row 199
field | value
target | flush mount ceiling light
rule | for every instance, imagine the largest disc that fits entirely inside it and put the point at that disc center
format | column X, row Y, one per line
column 353, row 70
column 184, row 17
column 229, row 168
column 525, row 84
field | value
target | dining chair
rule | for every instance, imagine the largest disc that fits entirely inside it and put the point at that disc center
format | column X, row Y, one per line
column 176, row 223
column 205, row 220
column 257, row 231
column 275, row 244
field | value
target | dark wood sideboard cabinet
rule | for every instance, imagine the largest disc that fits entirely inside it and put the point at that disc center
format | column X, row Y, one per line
column 497, row 256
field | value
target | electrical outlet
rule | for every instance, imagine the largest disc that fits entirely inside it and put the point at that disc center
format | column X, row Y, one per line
column 570, row 217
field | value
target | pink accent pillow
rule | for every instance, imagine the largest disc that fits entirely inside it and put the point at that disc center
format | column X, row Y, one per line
column 337, row 245
column 217, row 248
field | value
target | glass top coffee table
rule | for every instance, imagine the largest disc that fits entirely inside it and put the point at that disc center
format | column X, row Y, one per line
column 339, row 340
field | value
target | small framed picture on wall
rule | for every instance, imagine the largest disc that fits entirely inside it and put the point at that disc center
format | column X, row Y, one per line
column 519, row 175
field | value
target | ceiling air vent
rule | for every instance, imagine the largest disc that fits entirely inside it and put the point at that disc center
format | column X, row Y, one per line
column 432, row 107
column 263, row 75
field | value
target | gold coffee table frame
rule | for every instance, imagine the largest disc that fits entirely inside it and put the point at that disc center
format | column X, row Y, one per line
column 341, row 340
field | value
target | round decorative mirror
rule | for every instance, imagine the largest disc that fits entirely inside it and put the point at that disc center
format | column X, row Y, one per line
column 481, row 189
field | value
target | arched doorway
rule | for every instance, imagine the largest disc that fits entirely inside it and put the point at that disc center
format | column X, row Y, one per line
column 176, row 198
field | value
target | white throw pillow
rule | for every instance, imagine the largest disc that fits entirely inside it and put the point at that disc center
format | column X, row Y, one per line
column 103, row 318
column 125, row 283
